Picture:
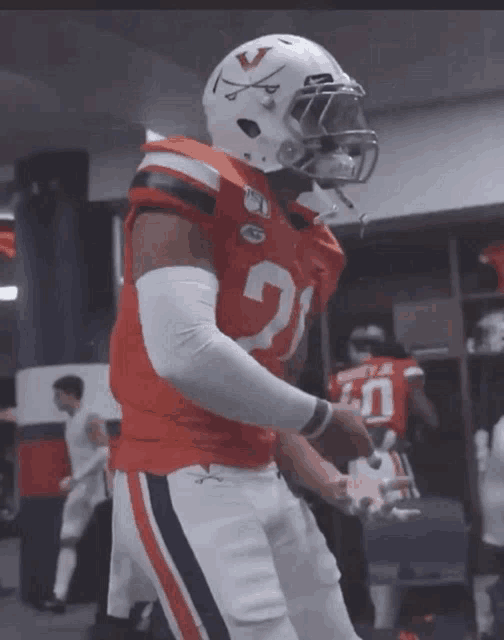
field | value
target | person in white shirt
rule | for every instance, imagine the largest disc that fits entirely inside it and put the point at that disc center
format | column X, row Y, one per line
column 87, row 445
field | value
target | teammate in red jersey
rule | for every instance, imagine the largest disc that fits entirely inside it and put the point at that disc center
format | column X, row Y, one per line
column 384, row 383
column 384, row 387
column 223, row 273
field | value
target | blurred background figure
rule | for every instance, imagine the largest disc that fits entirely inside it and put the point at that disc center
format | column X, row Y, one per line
column 7, row 456
column 385, row 384
column 7, row 499
column 491, row 489
column 482, row 450
column 488, row 334
column 358, row 349
column 85, row 436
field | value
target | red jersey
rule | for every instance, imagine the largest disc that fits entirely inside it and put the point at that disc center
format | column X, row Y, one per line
column 380, row 388
column 272, row 272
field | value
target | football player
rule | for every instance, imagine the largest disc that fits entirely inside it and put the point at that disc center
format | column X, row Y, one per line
column 85, row 436
column 488, row 334
column 359, row 340
column 223, row 272
column 384, row 387
column 384, row 384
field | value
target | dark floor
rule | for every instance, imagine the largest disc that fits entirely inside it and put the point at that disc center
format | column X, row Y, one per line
column 21, row 622
column 438, row 549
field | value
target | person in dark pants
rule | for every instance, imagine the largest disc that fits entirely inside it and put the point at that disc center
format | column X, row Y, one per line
column 103, row 514
column 7, row 438
column 345, row 538
column 7, row 430
column 106, row 627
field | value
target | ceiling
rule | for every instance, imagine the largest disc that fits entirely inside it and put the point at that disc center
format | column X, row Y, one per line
column 95, row 79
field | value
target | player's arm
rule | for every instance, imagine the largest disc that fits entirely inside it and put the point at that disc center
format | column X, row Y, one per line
column 420, row 404
column 97, row 462
column 294, row 455
column 96, row 430
column 97, row 433
column 307, row 468
column 8, row 415
column 177, row 291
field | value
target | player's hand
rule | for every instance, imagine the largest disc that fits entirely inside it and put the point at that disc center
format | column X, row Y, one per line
column 374, row 461
column 336, row 493
column 388, row 511
column 67, row 484
column 368, row 508
column 346, row 436
column 96, row 431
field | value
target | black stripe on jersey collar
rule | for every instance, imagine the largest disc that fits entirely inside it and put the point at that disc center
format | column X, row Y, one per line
column 169, row 184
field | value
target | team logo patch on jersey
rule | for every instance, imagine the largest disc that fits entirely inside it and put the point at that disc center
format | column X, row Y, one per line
column 253, row 233
column 256, row 203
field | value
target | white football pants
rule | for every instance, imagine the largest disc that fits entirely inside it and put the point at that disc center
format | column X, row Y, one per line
column 231, row 554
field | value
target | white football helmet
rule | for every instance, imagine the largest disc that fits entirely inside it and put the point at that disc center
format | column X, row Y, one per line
column 359, row 341
column 488, row 335
column 282, row 101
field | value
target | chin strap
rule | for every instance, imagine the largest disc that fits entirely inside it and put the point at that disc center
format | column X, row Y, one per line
column 329, row 217
column 363, row 219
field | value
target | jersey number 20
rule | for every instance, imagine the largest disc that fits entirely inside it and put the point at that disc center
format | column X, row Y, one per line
column 267, row 272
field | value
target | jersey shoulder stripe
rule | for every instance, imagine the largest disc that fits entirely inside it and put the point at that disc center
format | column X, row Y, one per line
column 195, row 169
column 173, row 186
column 229, row 169
column 413, row 372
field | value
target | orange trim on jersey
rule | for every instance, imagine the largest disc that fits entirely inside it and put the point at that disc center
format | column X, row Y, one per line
column 168, row 582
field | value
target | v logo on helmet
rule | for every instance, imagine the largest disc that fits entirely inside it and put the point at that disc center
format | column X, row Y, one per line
column 246, row 65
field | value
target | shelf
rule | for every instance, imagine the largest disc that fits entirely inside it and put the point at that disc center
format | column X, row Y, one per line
column 486, row 357
column 434, row 355
column 428, row 359
column 490, row 295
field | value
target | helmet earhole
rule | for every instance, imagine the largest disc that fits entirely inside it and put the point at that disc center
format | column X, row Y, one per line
column 249, row 127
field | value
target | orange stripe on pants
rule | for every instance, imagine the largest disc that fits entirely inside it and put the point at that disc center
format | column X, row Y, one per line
column 166, row 578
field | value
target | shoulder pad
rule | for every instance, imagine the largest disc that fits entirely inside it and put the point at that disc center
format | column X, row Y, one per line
column 163, row 155
column 413, row 370
column 200, row 152
column 170, row 175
